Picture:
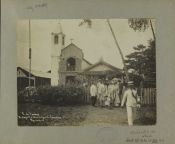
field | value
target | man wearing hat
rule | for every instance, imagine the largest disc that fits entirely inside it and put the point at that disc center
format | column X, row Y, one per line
column 129, row 97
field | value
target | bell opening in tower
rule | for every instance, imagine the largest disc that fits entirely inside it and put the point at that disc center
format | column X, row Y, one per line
column 56, row 39
column 63, row 41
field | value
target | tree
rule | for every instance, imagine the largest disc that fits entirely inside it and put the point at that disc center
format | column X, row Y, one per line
column 142, row 63
column 141, row 24
column 136, row 60
column 150, row 63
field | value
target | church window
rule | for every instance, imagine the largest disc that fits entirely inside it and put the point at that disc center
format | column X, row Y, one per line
column 71, row 64
column 63, row 40
column 56, row 39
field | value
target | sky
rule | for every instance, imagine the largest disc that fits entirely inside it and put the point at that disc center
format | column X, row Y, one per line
column 96, row 42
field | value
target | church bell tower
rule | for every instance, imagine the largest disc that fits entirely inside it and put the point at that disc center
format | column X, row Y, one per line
column 57, row 40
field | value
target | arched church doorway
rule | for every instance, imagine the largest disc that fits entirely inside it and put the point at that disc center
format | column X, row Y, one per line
column 70, row 80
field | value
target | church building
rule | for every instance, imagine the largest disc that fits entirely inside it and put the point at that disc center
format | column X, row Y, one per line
column 68, row 62
column 68, row 66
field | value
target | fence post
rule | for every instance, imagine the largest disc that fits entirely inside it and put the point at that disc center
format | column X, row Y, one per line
column 149, row 96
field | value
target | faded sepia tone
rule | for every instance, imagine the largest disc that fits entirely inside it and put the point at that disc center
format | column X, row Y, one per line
column 13, row 11
column 77, row 72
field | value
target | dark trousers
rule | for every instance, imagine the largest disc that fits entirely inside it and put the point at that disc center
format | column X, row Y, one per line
column 93, row 100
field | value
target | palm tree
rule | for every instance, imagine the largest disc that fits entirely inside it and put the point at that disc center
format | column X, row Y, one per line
column 141, row 24
column 152, row 29
column 119, row 49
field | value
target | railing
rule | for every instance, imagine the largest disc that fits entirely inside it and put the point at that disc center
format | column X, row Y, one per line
column 71, row 68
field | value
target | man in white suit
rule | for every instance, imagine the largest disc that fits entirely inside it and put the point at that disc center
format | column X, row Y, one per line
column 93, row 93
column 130, row 96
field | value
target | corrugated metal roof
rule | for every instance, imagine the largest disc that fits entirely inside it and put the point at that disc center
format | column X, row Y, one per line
column 101, row 62
column 37, row 73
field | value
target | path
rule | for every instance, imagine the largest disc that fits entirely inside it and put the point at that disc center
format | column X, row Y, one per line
column 103, row 116
column 84, row 115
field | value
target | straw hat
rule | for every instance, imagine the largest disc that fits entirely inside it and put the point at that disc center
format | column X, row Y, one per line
column 130, row 83
column 99, row 80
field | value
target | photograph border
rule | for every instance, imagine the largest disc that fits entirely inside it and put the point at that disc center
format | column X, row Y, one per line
column 162, row 11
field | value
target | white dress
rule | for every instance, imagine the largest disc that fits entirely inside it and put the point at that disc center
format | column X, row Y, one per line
column 107, row 101
column 116, row 95
column 111, row 92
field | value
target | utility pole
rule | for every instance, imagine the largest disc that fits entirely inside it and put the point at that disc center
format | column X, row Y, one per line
column 120, row 51
column 30, row 52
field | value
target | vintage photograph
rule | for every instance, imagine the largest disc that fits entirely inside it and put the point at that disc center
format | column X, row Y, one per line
column 76, row 72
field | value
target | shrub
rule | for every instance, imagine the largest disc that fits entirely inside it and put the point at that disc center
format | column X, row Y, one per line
column 28, row 95
column 61, row 95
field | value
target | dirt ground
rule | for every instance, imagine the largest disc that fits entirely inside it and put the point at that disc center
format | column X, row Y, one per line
column 33, row 114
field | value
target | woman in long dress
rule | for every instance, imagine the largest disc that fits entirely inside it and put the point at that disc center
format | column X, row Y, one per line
column 106, row 97
column 110, row 97
column 116, row 94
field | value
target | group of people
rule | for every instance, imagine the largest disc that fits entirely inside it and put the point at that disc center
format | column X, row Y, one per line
column 108, row 95
column 103, row 94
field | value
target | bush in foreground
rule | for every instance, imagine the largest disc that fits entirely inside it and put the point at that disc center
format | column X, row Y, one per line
column 60, row 95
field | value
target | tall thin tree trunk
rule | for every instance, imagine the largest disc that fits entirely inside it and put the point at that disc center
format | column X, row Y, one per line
column 119, row 49
column 152, row 29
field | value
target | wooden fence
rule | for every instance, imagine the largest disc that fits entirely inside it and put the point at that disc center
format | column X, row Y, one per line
column 148, row 96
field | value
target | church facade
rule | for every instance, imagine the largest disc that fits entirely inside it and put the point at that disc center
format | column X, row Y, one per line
column 68, row 63
column 71, row 64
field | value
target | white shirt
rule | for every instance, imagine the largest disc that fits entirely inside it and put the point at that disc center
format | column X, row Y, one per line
column 110, row 89
column 116, row 89
column 93, row 90
column 101, row 88
column 129, row 99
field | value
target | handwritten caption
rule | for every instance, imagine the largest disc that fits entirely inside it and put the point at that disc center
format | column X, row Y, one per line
column 35, row 117
column 144, row 137
column 37, row 6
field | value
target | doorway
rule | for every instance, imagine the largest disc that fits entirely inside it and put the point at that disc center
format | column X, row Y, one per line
column 70, row 79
